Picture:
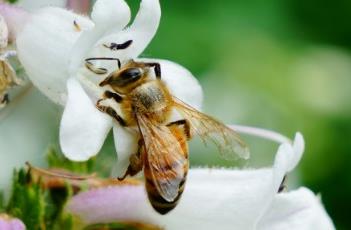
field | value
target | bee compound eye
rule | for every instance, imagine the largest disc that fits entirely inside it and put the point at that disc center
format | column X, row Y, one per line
column 131, row 74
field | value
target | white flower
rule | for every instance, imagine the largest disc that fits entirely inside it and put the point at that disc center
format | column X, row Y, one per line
column 216, row 199
column 53, row 51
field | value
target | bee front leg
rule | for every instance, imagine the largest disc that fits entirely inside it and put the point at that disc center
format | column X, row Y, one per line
column 110, row 111
column 157, row 68
column 114, row 96
column 186, row 126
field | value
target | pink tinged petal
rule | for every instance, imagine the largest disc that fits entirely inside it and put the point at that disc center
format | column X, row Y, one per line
column 44, row 47
column 126, row 143
column 15, row 18
column 83, row 127
column 4, row 33
column 299, row 209
column 108, row 15
column 8, row 223
column 110, row 204
column 142, row 31
column 81, row 6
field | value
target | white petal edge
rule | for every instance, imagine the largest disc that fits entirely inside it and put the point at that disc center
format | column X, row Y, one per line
column 109, row 16
column 83, row 128
column 142, row 31
column 300, row 210
column 126, row 144
column 44, row 47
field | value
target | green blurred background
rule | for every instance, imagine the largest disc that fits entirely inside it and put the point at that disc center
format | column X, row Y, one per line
column 283, row 65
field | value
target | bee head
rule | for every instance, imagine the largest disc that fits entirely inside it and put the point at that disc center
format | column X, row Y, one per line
column 125, row 79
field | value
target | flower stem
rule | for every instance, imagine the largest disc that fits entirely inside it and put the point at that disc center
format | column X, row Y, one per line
column 263, row 133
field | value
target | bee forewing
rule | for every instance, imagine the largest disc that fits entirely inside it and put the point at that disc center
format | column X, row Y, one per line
column 207, row 128
column 166, row 158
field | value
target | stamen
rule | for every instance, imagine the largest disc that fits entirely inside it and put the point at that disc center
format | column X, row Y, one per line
column 263, row 133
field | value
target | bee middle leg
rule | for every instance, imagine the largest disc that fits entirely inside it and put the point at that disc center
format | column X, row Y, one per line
column 110, row 111
column 185, row 124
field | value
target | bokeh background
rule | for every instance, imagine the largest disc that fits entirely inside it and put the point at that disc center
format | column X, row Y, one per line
column 283, row 65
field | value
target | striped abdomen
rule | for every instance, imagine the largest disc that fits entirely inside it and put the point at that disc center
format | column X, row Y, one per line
column 176, row 177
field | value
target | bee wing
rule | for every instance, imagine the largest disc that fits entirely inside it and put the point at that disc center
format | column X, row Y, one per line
column 209, row 129
column 165, row 157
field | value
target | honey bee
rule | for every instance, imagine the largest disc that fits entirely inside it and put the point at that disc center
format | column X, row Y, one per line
column 146, row 103
column 8, row 79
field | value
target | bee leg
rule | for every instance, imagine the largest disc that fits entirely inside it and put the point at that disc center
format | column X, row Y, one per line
column 135, row 165
column 283, row 186
column 115, row 96
column 114, row 46
column 110, row 111
column 186, row 126
column 157, row 68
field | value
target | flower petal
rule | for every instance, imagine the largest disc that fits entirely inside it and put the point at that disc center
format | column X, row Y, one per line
column 108, row 15
column 126, row 142
column 9, row 223
column 299, row 209
column 141, row 32
column 181, row 83
column 33, row 5
column 112, row 203
column 4, row 33
column 15, row 18
column 27, row 126
column 232, row 197
column 212, row 198
column 44, row 47
column 83, row 127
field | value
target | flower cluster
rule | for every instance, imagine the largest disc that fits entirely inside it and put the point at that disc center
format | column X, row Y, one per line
column 53, row 47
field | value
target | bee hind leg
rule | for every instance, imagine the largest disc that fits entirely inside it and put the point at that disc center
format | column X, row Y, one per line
column 135, row 165
column 185, row 124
